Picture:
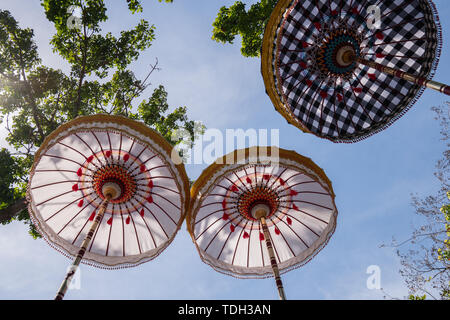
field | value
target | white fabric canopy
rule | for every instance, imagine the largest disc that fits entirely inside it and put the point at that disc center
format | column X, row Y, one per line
column 72, row 165
column 231, row 241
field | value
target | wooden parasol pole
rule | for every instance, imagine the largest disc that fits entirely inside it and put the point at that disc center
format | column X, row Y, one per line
column 346, row 56
column 443, row 88
column 261, row 213
column 87, row 240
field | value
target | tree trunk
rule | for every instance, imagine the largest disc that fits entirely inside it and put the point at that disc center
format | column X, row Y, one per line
column 13, row 210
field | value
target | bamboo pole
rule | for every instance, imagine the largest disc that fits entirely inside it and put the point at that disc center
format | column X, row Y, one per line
column 87, row 240
column 440, row 87
column 273, row 261
column 260, row 212
column 346, row 56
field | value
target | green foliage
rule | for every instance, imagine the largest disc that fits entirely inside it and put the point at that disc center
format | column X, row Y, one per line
column 8, row 170
column 424, row 261
column 152, row 112
column 135, row 5
column 18, row 50
column 413, row 297
column 444, row 251
column 36, row 99
column 235, row 20
column 12, row 187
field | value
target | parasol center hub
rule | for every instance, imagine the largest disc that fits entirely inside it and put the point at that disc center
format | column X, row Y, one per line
column 112, row 189
column 115, row 180
column 260, row 210
column 338, row 53
column 346, row 56
column 258, row 202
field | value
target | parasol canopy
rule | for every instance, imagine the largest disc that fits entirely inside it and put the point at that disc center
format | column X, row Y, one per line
column 224, row 222
column 346, row 69
column 111, row 162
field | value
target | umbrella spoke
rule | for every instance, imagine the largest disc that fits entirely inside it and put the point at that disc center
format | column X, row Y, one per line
column 89, row 147
column 76, row 215
column 101, row 147
column 308, row 214
column 237, row 242
column 248, row 245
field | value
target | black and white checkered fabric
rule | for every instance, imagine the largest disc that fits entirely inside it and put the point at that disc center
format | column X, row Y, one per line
column 407, row 38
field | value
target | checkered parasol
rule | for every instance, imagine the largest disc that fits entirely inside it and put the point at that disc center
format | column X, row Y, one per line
column 104, row 189
column 346, row 69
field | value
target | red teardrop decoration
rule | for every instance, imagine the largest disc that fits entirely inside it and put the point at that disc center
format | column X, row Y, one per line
column 261, row 236
column 380, row 55
column 357, row 90
column 246, row 236
column 340, row 97
column 334, row 13
column 249, row 180
column 277, row 231
column 318, row 25
column 266, row 176
column 234, row 188
column 108, row 153
column 305, row 44
column 225, row 216
column 75, row 187
column 224, row 203
column 110, row 221
column 303, row 65
column 289, row 221
column 150, row 199
column 80, row 172
column 309, row 83
column 143, row 168
column 282, row 182
column 90, row 159
column 126, row 157
column 293, row 192
column 379, row 36
column 294, row 207
column 355, row 10
column 232, row 228
column 150, row 184
column 142, row 212
column 128, row 220
column 372, row 76
column 91, row 218
column 80, row 204
column 323, row 94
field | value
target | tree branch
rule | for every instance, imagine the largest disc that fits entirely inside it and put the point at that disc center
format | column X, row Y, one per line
column 12, row 210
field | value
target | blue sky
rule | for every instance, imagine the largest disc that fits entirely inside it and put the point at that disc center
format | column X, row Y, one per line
column 373, row 179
